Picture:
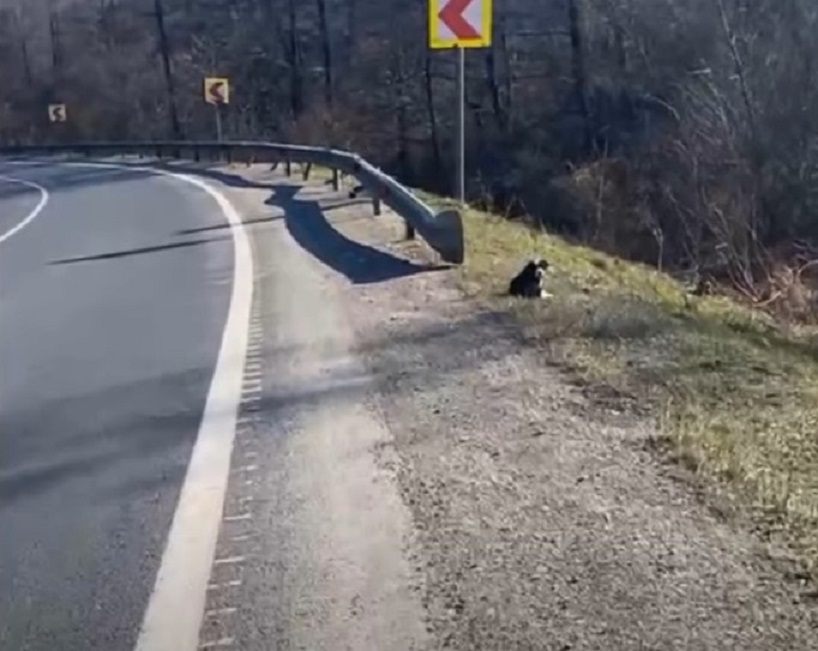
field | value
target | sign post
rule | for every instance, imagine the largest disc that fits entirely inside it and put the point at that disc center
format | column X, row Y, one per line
column 460, row 24
column 217, row 93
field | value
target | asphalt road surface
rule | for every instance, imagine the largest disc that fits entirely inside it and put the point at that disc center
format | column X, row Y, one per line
column 187, row 459
column 111, row 319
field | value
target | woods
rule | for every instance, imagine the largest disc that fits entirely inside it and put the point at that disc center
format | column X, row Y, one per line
column 676, row 132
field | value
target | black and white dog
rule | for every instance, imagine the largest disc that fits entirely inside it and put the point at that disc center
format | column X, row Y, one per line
column 529, row 282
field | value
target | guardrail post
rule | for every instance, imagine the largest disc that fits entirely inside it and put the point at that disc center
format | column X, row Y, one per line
column 410, row 231
column 288, row 168
column 305, row 172
column 196, row 155
column 336, row 182
column 229, row 155
column 376, row 205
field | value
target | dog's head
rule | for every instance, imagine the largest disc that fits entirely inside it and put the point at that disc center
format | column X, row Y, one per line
column 537, row 268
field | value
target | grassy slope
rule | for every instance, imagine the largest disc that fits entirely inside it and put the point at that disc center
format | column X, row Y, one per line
column 736, row 396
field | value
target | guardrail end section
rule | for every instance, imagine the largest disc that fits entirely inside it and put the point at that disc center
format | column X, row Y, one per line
column 450, row 240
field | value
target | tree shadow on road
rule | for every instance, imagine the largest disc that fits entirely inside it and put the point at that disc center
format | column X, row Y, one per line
column 112, row 255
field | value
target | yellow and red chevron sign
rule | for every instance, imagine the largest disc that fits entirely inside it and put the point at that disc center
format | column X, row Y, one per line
column 459, row 23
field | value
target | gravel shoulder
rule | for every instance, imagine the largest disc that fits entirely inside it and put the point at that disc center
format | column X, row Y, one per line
column 534, row 518
column 545, row 522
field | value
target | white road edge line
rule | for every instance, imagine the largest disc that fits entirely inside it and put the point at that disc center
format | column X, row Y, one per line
column 176, row 607
column 184, row 573
column 33, row 214
column 191, row 546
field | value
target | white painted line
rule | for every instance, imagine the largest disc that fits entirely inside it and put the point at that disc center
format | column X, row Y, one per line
column 33, row 214
column 240, row 539
column 238, row 518
column 254, row 374
column 250, row 468
column 218, row 644
column 232, row 560
column 251, row 454
column 219, row 612
column 221, row 586
column 191, row 545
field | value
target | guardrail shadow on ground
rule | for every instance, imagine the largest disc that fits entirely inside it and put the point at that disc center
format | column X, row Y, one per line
column 359, row 263
column 307, row 223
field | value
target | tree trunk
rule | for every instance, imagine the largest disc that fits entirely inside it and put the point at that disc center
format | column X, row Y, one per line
column 326, row 50
column 579, row 72
column 164, row 50
column 294, row 56
column 430, row 108
column 494, row 91
column 24, row 53
column 54, row 33
column 509, row 89
column 500, row 111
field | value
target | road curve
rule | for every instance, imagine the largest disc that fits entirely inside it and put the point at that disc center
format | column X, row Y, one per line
column 112, row 311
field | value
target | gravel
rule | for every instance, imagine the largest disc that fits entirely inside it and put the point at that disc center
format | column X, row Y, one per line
column 536, row 518
column 543, row 522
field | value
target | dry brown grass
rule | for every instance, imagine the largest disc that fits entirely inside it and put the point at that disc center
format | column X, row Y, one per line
column 736, row 395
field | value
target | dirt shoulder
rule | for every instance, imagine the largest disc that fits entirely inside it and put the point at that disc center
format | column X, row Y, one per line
column 547, row 507
column 545, row 519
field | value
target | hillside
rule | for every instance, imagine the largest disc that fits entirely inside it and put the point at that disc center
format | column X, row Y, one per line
column 674, row 132
column 733, row 394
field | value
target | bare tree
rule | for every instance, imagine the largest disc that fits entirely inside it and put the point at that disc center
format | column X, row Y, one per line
column 675, row 132
column 164, row 52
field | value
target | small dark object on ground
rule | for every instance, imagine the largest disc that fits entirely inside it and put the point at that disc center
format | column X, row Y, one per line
column 353, row 193
column 529, row 282
column 705, row 287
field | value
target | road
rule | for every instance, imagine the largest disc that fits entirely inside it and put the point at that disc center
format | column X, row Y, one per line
column 111, row 320
column 236, row 415
column 129, row 518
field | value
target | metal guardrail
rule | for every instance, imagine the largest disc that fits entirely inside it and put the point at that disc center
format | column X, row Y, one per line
column 443, row 231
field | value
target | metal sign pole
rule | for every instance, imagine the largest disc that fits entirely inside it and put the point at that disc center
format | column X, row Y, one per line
column 460, row 190
column 218, row 109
